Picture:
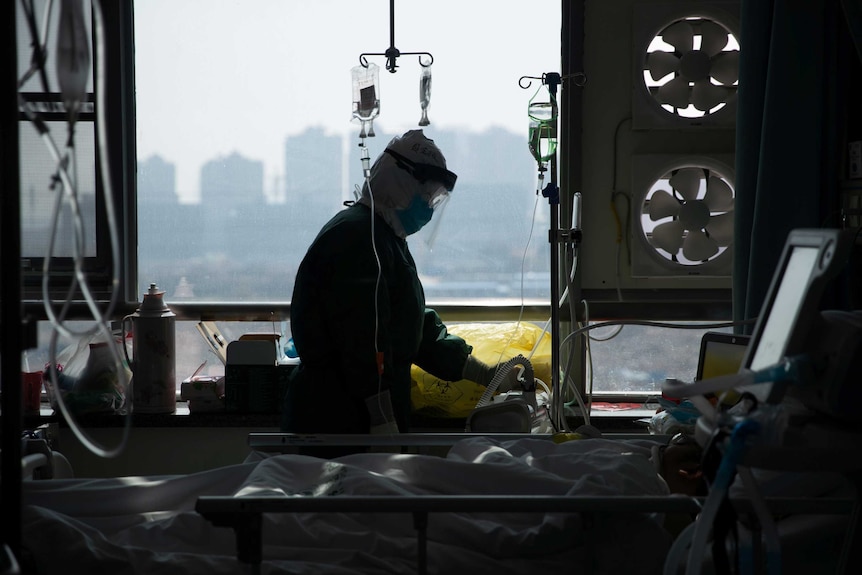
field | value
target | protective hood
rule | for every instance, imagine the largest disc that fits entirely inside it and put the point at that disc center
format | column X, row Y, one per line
column 408, row 176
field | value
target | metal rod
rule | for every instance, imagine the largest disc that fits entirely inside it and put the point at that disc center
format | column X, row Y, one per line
column 555, row 300
column 391, row 23
column 420, row 522
column 220, row 510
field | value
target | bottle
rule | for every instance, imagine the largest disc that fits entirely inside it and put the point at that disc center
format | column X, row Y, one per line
column 153, row 360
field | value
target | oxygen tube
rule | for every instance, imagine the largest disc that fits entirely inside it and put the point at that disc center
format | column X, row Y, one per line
column 698, row 533
column 501, row 373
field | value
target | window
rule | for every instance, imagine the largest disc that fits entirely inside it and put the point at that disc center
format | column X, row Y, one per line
column 43, row 150
column 245, row 144
column 246, row 147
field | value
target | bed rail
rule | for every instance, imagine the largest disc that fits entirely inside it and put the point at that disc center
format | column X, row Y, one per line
column 284, row 442
column 244, row 514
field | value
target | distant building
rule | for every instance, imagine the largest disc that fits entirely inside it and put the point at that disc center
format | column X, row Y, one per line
column 157, row 181
column 232, row 181
column 313, row 171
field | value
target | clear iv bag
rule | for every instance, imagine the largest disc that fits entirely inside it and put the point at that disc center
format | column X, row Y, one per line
column 366, row 97
column 424, row 93
column 542, row 137
column 542, row 141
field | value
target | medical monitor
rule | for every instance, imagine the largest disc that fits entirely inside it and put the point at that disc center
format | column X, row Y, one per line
column 720, row 354
column 810, row 259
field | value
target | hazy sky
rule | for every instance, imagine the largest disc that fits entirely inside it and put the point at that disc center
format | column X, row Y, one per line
column 218, row 76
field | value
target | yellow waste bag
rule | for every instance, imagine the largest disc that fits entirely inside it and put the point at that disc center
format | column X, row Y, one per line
column 492, row 343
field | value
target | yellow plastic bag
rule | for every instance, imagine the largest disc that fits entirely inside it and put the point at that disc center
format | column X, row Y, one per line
column 492, row 343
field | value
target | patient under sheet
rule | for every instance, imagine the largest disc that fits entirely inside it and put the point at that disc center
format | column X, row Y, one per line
column 148, row 524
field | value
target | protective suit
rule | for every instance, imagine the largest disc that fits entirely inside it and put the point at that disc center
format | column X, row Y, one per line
column 358, row 315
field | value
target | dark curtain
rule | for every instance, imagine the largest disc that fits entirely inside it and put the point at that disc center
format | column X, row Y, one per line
column 792, row 97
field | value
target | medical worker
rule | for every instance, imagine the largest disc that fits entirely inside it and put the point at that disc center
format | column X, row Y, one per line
column 358, row 317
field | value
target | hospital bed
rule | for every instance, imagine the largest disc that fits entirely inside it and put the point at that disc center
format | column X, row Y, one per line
column 502, row 504
column 489, row 505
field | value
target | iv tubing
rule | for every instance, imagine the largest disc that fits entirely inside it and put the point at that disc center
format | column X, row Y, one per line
column 676, row 554
column 80, row 277
column 378, row 354
column 789, row 369
column 486, row 395
column 718, row 492
column 767, row 524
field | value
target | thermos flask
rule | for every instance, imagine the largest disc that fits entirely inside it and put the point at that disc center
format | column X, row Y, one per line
column 153, row 360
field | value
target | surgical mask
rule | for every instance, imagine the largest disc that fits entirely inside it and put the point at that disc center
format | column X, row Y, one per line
column 416, row 215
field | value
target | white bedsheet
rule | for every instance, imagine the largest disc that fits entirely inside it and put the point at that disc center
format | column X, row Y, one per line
column 148, row 524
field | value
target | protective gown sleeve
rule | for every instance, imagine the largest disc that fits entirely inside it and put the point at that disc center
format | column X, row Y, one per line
column 441, row 353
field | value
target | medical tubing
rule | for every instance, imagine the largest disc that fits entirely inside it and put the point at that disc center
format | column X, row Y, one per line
column 571, row 269
column 108, row 197
column 789, row 369
column 620, row 235
column 521, row 311
column 558, row 403
column 52, row 242
column 589, row 352
column 80, row 277
column 544, row 386
column 718, row 491
column 655, row 324
column 39, row 40
column 587, row 322
column 378, row 356
column 677, row 551
column 486, row 396
column 710, row 385
column 501, row 372
column 767, row 523
column 671, row 387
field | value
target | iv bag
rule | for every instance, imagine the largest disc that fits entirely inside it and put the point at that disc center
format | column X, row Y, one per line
column 542, row 141
column 542, row 138
column 424, row 93
column 366, row 98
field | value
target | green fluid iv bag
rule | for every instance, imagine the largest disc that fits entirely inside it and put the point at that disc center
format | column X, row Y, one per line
column 542, row 137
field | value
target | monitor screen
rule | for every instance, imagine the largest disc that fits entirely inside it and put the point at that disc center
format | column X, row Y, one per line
column 720, row 354
column 810, row 259
column 785, row 308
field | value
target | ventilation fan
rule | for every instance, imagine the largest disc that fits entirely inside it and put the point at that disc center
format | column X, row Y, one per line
column 689, row 66
column 682, row 218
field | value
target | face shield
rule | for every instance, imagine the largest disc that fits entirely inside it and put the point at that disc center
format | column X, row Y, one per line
column 435, row 185
column 437, row 199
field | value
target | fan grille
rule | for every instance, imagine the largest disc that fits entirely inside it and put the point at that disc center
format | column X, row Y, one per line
column 687, row 215
column 691, row 67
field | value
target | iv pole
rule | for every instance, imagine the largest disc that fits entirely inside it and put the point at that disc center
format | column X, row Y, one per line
column 392, row 53
column 556, row 237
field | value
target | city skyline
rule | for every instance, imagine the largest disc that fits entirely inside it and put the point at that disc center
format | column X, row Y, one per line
column 308, row 164
column 233, row 231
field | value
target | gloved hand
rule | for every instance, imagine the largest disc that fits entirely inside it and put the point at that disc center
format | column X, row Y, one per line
column 380, row 411
column 482, row 373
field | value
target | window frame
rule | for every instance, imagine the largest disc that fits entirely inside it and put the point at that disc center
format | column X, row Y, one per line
column 661, row 304
column 120, row 129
